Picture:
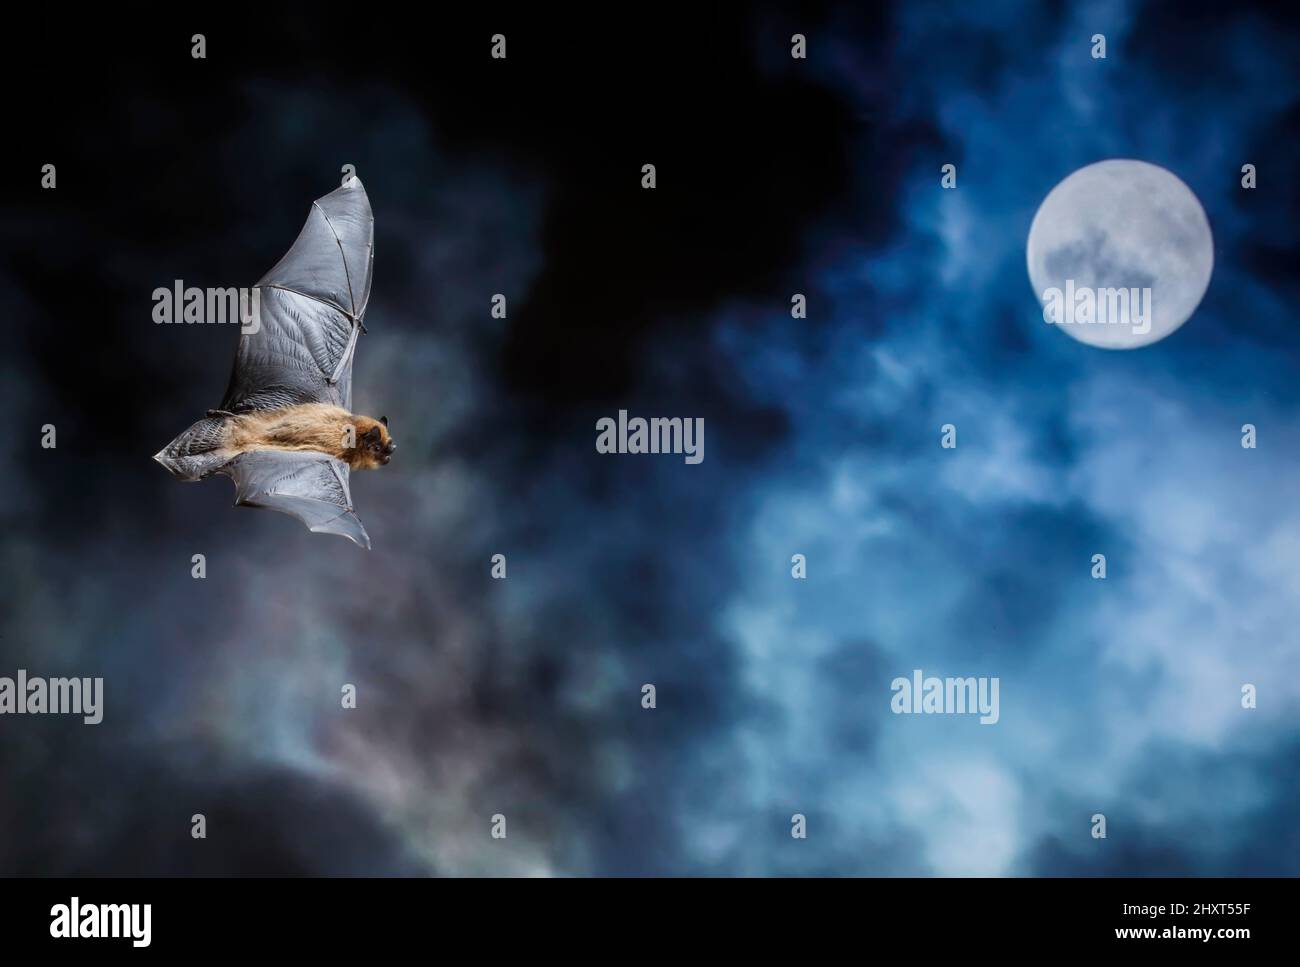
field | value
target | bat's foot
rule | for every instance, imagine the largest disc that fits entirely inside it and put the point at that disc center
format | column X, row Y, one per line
column 220, row 413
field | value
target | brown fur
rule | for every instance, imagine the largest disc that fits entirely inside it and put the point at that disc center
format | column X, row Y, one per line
column 316, row 427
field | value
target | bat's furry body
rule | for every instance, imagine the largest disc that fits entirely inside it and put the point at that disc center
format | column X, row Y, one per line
column 285, row 432
column 315, row 427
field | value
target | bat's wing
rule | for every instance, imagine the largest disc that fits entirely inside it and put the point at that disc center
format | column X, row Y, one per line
column 310, row 309
column 311, row 486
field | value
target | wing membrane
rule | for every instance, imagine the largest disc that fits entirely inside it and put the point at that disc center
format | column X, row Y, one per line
column 312, row 304
column 310, row 486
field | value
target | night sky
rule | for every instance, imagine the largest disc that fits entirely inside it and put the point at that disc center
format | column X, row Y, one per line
column 522, row 696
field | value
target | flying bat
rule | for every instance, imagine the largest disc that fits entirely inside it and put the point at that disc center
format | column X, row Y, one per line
column 285, row 432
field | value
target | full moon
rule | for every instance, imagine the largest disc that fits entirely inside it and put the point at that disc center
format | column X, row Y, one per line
column 1131, row 233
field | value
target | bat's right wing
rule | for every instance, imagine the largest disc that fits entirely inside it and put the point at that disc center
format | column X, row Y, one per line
column 311, row 486
column 310, row 309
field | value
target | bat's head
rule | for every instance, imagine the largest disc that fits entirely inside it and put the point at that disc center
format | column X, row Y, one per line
column 375, row 444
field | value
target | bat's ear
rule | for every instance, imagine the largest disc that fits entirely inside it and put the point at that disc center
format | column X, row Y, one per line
column 384, row 420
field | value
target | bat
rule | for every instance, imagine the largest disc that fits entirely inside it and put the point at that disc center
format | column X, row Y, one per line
column 285, row 432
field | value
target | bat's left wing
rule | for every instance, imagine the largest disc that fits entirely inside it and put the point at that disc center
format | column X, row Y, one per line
column 311, row 486
column 310, row 309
